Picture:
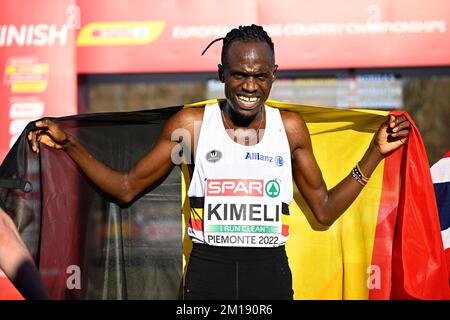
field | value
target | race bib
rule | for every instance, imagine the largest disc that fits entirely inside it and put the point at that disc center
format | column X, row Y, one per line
column 242, row 213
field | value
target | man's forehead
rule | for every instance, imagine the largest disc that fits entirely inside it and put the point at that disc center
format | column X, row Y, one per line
column 250, row 52
column 250, row 46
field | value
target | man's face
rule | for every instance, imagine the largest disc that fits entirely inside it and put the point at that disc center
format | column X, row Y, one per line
column 248, row 74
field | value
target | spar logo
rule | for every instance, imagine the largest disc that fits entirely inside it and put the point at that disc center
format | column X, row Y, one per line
column 117, row 33
column 242, row 188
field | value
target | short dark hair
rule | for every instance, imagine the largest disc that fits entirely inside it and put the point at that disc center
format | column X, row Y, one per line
column 253, row 33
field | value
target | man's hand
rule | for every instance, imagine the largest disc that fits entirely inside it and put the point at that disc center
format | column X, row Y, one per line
column 392, row 134
column 48, row 133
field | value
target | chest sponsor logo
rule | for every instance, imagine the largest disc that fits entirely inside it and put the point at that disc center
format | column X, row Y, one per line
column 243, row 188
column 235, row 187
column 278, row 160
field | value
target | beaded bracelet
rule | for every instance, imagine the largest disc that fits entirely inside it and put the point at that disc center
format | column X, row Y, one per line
column 359, row 176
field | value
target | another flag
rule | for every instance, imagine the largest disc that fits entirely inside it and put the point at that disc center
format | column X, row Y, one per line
column 440, row 173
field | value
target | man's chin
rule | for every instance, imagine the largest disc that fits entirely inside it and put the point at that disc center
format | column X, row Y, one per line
column 244, row 115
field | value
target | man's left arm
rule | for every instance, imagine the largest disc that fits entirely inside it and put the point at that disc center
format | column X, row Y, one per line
column 329, row 205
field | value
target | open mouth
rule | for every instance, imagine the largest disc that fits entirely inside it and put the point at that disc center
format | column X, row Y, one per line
column 248, row 102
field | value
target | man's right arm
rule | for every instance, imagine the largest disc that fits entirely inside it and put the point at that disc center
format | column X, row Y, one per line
column 122, row 185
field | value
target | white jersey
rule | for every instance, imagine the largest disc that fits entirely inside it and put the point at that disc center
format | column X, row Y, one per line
column 239, row 194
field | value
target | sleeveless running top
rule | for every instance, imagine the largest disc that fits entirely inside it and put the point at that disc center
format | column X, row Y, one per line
column 239, row 194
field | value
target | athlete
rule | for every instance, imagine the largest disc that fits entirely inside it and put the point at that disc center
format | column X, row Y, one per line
column 241, row 175
column 17, row 263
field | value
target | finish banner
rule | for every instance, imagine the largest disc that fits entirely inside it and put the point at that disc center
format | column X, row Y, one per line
column 169, row 36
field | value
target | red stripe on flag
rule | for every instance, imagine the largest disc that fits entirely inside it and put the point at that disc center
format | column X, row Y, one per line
column 285, row 230
column 384, row 234
column 196, row 224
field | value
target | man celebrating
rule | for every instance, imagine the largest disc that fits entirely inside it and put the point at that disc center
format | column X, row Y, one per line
column 241, row 175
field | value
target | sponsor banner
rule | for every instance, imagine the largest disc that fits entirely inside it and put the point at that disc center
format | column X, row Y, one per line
column 37, row 64
column 154, row 36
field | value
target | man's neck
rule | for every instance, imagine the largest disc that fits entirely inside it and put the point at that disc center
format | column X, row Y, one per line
column 239, row 121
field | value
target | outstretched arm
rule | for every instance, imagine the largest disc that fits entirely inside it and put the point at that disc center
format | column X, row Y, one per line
column 122, row 185
column 17, row 263
column 328, row 205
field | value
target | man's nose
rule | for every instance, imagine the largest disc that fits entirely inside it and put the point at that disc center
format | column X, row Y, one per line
column 250, row 85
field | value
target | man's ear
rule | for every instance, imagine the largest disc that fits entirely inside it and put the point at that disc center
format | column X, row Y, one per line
column 220, row 71
column 275, row 72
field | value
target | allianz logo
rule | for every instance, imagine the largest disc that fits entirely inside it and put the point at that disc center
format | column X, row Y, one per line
column 278, row 160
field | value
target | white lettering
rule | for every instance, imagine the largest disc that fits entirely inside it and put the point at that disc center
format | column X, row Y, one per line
column 240, row 187
column 372, row 25
column 193, row 310
column 54, row 34
column 374, row 279
column 182, row 150
column 256, row 186
column 214, row 187
column 235, row 187
column 40, row 35
column 33, row 35
column 16, row 35
column 74, row 17
column 74, row 280
column 2, row 35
